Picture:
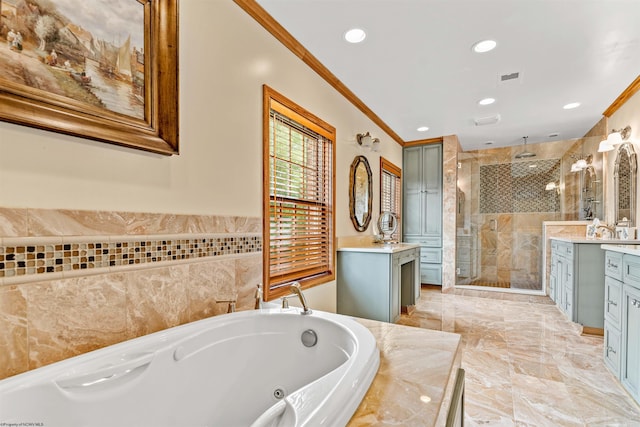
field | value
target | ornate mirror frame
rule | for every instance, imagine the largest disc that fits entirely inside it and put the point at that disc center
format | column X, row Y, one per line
column 360, row 193
column 625, row 151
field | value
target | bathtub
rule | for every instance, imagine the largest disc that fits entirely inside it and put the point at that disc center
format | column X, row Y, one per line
column 252, row 368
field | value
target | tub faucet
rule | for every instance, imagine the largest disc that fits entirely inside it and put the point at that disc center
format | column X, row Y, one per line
column 295, row 289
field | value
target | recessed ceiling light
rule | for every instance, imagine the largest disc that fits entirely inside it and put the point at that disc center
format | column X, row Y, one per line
column 423, row 129
column 484, row 46
column 355, row 35
column 487, row 101
column 571, row 105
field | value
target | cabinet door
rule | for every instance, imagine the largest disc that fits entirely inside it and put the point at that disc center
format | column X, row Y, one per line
column 432, row 190
column 553, row 277
column 612, row 301
column 630, row 362
column 412, row 191
column 612, row 348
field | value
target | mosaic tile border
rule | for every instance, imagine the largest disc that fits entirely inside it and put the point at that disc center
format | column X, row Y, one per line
column 30, row 259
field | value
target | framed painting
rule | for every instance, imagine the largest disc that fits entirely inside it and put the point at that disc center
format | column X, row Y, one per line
column 103, row 69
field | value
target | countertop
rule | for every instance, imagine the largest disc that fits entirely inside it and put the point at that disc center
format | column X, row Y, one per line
column 414, row 384
column 596, row 241
column 626, row 248
column 379, row 247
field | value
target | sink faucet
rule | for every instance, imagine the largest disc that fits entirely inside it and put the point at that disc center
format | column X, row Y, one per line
column 611, row 229
column 295, row 289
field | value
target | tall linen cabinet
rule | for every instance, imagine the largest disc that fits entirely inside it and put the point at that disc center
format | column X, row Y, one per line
column 422, row 207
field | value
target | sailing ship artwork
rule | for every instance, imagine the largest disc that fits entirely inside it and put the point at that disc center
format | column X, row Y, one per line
column 89, row 51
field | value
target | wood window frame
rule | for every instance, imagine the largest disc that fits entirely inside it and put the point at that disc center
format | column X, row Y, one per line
column 274, row 286
column 388, row 167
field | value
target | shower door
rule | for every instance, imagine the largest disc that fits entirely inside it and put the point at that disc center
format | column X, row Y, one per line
column 499, row 236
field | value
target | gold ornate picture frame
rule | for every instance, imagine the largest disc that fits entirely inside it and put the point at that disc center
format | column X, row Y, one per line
column 151, row 71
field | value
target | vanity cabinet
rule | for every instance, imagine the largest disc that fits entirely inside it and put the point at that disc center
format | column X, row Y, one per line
column 422, row 207
column 375, row 282
column 576, row 282
column 630, row 358
column 622, row 319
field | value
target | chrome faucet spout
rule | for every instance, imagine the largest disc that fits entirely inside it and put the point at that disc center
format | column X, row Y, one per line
column 296, row 289
column 611, row 229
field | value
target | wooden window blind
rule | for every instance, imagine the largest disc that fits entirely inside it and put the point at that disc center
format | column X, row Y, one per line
column 299, row 231
column 390, row 190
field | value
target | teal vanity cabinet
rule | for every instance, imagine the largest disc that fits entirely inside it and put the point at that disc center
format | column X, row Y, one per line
column 576, row 281
column 422, row 207
column 630, row 358
column 375, row 281
column 622, row 316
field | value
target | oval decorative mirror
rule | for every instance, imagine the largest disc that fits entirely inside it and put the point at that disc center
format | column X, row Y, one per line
column 624, row 178
column 360, row 193
column 387, row 224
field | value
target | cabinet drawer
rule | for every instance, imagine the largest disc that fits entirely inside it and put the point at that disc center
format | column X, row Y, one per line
column 432, row 255
column 431, row 274
column 463, row 242
column 425, row 241
column 612, row 301
column 565, row 249
column 631, row 270
column 613, row 265
column 464, row 269
column 612, row 348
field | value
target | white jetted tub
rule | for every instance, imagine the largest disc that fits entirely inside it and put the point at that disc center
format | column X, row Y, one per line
column 267, row 367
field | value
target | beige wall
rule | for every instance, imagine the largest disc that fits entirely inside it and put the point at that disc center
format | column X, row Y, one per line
column 225, row 58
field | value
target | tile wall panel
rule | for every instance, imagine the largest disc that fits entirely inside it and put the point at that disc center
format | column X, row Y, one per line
column 76, row 281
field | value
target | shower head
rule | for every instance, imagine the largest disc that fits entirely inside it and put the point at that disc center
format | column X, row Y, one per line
column 525, row 154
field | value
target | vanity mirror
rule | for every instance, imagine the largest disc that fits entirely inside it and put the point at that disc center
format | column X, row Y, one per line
column 360, row 193
column 624, row 178
column 387, row 224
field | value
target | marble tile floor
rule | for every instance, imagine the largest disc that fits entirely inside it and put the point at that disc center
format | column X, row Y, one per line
column 525, row 363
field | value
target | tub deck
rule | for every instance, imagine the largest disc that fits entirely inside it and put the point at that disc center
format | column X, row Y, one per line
column 414, row 384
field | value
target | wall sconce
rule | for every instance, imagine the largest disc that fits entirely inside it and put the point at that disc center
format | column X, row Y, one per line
column 616, row 137
column 367, row 141
column 581, row 163
column 553, row 186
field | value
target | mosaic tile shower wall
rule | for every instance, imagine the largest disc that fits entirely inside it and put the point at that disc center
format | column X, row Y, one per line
column 519, row 187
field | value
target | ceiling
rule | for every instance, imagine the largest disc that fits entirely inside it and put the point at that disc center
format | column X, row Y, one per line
column 416, row 66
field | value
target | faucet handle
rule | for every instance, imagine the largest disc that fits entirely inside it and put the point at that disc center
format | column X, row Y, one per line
column 231, row 308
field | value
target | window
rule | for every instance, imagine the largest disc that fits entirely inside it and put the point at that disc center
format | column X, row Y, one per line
column 298, row 197
column 390, row 190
